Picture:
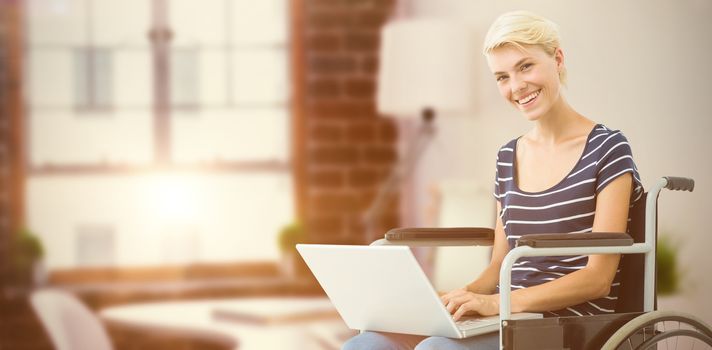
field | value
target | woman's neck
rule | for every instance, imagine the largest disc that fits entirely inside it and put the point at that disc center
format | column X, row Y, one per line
column 560, row 124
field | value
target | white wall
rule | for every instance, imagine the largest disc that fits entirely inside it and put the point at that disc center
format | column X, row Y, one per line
column 642, row 67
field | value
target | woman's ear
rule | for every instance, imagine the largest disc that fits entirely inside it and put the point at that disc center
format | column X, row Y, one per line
column 559, row 57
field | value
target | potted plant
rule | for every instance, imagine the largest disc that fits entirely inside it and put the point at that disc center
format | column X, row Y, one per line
column 668, row 274
column 26, row 264
column 289, row 236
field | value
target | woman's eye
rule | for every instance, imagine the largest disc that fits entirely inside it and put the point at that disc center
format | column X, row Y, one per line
column 526, row 66
column 501, row 78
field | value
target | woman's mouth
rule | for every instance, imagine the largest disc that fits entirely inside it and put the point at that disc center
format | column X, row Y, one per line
column 528, row 99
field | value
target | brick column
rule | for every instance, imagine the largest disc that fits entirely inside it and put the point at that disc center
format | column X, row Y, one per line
column 11, row 150
column 19, row 328
column 344, row 148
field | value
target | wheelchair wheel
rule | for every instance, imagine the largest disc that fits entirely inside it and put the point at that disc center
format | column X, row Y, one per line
column 661, row 330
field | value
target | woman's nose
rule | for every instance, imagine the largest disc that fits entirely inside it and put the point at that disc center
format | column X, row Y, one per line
column 517, row 84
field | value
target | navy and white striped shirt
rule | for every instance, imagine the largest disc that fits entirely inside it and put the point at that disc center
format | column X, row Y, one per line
column 567, row 207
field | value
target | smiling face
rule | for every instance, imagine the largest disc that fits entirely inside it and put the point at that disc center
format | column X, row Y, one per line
column 527, row 77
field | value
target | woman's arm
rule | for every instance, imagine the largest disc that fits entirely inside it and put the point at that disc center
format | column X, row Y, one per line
column 591, row 282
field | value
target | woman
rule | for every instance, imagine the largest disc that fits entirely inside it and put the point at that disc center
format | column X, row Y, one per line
column 567, row 174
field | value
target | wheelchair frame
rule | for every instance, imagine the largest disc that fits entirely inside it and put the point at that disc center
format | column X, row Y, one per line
column 574, row 332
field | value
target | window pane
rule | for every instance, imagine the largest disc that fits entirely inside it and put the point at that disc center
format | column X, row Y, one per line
column 82, row 85
column 122, row 23
column 92, row 78
column 184, row 77
column 132, row 79
column 95, row 245
column 230, row 135
column 260, row 76
column 213, row 78
column 60, row 137
column 198, row 22
column 57, row 22
column 50, row 78
column 262, row 21
column 102, row 79
column 208, row 217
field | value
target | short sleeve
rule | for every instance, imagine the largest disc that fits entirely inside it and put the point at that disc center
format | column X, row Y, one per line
column 503, row 171
column 496, row 181
column 616, row 159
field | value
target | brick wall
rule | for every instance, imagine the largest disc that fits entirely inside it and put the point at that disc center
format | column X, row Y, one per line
column 19, row 328
column 346, row 148
column 11, row 164
column 4, row 146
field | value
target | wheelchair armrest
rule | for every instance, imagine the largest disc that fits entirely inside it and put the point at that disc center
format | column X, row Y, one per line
column 591, row 239
column 436, row 236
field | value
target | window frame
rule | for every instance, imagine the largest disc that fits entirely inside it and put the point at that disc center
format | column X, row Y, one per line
column 160, row 35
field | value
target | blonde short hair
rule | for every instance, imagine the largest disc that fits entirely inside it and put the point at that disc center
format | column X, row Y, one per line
column 518, row 28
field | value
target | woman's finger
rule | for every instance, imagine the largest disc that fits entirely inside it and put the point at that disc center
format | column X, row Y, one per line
column 459, row 300
column 465, row 298
column 448, row 296
column 451, row 306
column 463, row 310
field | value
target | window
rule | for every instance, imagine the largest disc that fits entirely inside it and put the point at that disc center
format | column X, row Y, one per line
column 184, row 78
column 179, row 151
column 92, row 78
column 95, row 245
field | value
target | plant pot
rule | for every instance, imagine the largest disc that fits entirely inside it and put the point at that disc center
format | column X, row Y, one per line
column 40, row 276
column 287, row 265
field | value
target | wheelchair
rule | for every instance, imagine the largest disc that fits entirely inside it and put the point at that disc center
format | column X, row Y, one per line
column 636, row 323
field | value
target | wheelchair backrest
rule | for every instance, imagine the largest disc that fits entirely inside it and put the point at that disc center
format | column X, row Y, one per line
column 630, row 296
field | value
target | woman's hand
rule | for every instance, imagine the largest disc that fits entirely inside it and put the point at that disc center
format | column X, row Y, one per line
column 461, row 302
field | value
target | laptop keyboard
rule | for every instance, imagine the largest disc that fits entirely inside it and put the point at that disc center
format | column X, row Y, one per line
column 470, row 322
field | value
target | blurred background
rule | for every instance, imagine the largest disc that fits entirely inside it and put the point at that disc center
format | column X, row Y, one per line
column 155, row 150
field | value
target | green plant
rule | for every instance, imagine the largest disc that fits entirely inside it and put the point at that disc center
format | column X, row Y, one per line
column 290, row 235
column 26, row 251
column 668, row 273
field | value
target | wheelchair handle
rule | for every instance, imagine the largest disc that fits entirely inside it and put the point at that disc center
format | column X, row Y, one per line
column 679, row 183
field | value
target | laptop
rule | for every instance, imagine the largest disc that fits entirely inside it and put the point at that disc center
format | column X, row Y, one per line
column 383, row 288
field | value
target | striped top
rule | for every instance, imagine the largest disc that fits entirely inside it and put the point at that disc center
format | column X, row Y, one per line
column 567, row 207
